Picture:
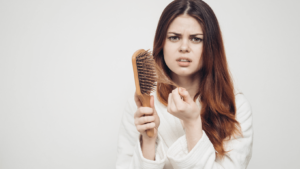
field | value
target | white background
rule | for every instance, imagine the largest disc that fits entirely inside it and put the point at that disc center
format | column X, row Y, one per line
column 65, row 73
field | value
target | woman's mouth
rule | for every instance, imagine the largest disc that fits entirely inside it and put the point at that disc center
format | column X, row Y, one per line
column 183, row 62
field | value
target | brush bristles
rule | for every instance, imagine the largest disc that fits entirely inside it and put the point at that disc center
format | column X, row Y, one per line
column 146, row 72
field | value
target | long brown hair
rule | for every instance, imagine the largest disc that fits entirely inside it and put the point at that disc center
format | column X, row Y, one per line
column 216, row 90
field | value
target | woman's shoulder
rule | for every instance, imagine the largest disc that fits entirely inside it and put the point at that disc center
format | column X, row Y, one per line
column 236, row 90
column 243, row 107
column 240, row 98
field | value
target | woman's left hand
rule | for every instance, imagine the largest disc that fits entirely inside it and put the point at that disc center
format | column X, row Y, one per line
column 185, row 109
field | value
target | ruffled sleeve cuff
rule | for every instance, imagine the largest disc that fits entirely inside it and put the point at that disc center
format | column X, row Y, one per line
column 180, row 157
column 160, row 156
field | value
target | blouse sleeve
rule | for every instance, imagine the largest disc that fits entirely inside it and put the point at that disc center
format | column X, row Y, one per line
column 202, row 156
column 129, row 153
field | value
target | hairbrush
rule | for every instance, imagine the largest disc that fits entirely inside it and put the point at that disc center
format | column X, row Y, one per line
column 145, row 78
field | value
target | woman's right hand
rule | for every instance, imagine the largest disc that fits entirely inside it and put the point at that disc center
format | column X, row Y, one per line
column 146, row 118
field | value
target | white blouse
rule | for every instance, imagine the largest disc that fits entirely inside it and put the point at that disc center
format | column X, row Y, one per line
column 171, row 145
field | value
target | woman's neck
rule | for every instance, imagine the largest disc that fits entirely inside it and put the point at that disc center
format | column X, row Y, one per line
column 190, row 83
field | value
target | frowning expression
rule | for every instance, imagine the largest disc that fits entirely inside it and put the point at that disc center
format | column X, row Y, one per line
column 183, row 46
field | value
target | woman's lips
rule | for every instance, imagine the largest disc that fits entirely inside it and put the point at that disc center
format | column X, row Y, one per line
column 184, row 64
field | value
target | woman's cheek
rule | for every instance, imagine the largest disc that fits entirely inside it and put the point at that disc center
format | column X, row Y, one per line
column 170, row 55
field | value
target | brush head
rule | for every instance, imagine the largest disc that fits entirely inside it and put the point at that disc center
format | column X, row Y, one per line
column 145, row 71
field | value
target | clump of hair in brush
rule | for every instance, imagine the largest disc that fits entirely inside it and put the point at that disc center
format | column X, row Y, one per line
column 146, row 72
column 150, row 73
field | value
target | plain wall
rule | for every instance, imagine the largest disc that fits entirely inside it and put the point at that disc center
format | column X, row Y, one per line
column 65, row 73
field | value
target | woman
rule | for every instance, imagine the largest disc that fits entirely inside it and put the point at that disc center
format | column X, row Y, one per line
column 205, row 123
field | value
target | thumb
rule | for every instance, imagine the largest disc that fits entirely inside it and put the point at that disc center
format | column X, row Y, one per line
column 152, row 103
column 185, row 95
column 155, row 131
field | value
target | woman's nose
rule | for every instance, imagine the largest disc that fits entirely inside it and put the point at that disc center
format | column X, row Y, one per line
column 184, row 47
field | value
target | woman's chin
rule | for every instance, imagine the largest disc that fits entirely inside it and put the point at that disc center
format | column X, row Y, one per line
column 183, row 73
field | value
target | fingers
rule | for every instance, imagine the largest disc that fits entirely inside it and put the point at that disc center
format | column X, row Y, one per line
column 144, row 119
column 177, row 100
column 171, row 106
column 137, row 100
column 147, row 122
column 185, row 95
column 143, row 111
column 144, row 123
column 144, row 127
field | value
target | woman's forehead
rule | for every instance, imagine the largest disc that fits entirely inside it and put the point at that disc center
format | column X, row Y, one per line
column 185, row 24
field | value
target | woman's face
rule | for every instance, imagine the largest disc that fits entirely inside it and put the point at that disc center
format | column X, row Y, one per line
column 183, row 46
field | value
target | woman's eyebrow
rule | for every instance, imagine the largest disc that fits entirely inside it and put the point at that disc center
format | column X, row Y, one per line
column 196, row 34
column 177, row 34
column 174, row 33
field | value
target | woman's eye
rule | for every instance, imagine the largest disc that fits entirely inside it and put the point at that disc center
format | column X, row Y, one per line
column 173, row 38
column 196, row 39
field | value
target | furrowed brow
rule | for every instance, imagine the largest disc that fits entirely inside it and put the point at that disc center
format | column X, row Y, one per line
column 196, row 34
column 178, row 34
